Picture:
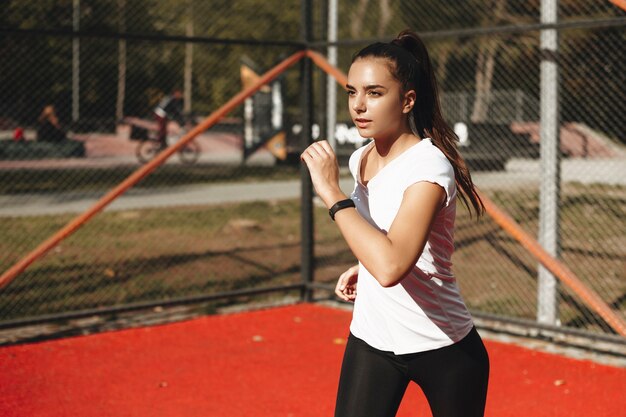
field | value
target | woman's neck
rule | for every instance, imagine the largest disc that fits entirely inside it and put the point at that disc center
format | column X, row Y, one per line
column 390, row 148
column 383, row 152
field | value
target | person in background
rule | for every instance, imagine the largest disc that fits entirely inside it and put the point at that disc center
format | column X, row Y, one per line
column 49, row 129
column 169, row 108
column 409, row 322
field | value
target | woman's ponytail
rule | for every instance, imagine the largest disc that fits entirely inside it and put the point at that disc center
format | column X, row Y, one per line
column 427, row 119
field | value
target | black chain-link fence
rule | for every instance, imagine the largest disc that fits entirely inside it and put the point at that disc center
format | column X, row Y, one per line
column 81, row 80
column 91, row 90
column 487, row 58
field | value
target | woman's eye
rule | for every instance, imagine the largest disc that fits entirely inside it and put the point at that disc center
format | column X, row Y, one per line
column 374, row 93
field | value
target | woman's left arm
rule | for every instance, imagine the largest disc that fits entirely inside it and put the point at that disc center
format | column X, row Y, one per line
column 388, row 257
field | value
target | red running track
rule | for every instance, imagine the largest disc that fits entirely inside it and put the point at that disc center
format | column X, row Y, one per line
column 276, row 362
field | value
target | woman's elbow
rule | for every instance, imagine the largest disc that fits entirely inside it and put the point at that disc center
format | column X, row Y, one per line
column 391, row 275
column 389, row 282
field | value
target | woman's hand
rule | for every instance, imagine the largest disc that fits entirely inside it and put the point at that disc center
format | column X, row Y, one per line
column 321, row 161
column 346, row 285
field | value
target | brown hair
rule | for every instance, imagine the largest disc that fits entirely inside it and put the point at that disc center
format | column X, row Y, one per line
column 412, row 68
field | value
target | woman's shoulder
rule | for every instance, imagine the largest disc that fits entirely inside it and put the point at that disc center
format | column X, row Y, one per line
column 428, row 156
column 428, row 163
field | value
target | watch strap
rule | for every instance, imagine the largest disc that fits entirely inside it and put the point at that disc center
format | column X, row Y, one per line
column 340, row 205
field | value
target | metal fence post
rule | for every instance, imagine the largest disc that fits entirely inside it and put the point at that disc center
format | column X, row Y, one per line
column 306, row 105
column 550, row 163
column 331, row 84
column 75, row 61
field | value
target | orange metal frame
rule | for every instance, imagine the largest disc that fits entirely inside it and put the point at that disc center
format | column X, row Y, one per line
column 619, row 3
column 567, row 277
column 145, row 170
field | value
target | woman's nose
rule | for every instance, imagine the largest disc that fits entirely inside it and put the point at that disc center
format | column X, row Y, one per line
column 358, row 105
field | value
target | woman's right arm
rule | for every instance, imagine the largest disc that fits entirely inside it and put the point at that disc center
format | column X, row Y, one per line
column 387, row 256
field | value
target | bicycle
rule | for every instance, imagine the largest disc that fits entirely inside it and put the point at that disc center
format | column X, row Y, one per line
column 147, row 149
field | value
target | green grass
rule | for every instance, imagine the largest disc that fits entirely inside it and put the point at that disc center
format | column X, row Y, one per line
column 492, row 267
column 129, row 256
column 158, row 254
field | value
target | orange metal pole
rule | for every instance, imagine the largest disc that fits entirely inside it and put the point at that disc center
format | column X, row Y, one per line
column 619, row 3
column 555, row 266
column 146, row 169
column 320, row 61
column 560, row 270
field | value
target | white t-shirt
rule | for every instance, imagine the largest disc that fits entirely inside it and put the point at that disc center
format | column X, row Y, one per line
column 425, row 310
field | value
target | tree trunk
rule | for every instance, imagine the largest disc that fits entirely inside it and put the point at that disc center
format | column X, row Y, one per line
column 485, row 65
column 484, row 79
column 357, row 19
column 188, row 73
column 121, row 62
column 442, row 55
column 385, row 17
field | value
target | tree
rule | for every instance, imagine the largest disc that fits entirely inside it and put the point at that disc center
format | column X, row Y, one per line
column 488, row 49
column 121, row 61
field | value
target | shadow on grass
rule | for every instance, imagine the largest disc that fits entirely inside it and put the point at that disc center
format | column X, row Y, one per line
column 51, row 289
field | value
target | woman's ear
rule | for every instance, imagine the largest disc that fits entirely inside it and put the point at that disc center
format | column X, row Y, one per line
column 408, row 101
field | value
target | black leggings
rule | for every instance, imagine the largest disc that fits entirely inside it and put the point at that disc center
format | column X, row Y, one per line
column 453, row 378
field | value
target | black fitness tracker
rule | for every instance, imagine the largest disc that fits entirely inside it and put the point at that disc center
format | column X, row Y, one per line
column 340, row 205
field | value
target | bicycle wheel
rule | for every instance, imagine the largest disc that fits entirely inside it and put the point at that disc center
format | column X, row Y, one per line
column 146, row 150
column 190, row 153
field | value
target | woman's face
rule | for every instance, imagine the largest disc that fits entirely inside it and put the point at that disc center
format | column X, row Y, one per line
column 377, row 105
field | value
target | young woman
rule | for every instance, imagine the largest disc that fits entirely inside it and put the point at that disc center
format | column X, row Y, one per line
column 409, row 321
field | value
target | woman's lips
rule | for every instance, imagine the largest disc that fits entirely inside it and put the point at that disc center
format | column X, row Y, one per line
column 362, row 122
